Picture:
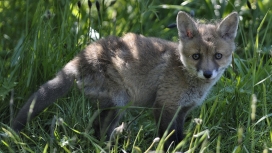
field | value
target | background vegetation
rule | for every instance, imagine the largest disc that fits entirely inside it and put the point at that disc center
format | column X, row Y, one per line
column 38, row 37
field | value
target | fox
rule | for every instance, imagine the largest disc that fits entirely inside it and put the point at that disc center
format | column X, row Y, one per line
column 171, row 77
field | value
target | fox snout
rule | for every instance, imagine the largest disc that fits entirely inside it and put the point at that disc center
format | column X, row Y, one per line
column 207, row 74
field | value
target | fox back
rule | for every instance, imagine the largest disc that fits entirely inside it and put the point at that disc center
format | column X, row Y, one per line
column 172, row 77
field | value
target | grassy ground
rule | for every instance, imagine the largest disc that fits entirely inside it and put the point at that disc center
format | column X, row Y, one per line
column 39, row 37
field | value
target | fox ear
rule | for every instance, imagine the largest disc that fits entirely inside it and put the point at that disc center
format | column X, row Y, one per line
column 227, row 28
column 186, row 26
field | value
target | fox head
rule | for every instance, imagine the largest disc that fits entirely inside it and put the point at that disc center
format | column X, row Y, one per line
column 205, row 50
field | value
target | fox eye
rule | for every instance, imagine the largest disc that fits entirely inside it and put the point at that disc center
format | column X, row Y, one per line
column 196, row 56
column 218, row 55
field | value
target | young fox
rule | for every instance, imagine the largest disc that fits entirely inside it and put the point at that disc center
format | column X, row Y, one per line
column 150, row 72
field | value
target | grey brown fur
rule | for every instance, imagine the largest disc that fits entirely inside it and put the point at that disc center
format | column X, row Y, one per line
column 146, row 71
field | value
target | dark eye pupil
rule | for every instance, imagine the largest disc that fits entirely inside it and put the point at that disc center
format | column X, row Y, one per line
column 196, row 56
column 218, row 56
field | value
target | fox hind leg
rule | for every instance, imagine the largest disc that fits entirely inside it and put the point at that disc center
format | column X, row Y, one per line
column 109, row 115
column 105, row 122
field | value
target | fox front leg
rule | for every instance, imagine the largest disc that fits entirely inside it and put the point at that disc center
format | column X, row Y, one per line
column 169, row 119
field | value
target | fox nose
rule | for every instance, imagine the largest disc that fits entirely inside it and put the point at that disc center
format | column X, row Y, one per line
column 207, row 74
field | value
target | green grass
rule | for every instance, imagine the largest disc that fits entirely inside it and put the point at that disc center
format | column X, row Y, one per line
column 236, row 116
